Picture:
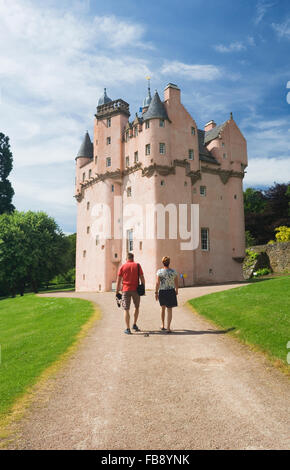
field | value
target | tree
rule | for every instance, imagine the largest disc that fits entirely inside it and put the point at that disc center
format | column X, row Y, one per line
column 277, row 199
column 266, row 210
column 254, row 201
column 32, row 250
column 6, row 165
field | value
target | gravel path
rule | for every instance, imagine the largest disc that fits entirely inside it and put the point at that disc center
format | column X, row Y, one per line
column 195, row 389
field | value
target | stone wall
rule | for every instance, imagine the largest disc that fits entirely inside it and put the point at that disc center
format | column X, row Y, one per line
column 276, row 257
column 279, row 255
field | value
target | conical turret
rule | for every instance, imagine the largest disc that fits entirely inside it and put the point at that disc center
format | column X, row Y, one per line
column 156, row 109
column 86, row 149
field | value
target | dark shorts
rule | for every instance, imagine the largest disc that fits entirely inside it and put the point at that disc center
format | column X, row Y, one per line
column 167, row 298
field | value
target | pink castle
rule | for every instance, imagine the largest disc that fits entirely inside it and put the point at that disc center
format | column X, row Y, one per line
column 162, row 162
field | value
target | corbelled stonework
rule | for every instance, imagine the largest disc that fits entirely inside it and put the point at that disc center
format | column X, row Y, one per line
column 163, row 170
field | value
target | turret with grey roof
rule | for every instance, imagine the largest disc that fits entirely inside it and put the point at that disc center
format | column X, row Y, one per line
column 104, row 99
column 86, row 149
column 148, row 99
column 156, row 109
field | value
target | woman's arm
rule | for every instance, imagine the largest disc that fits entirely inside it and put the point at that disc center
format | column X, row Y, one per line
column 176, row 284
column 157, row 287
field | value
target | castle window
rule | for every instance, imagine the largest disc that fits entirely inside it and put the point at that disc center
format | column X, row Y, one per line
column 130, row 240
column 224, row 156
column 127, row 136
column 147, row 124
column 108, row 161
column 235, row 196
column 88, row 229
column 84, row 277
column 135, row 131
column 97, row 141
column 108, row 140
column 97, row 239
column 112, row 188
column 127, row 161
column 203, row 190
column 223, row 144
column 90, row 173
column 129, row 191
column 161, row 123
column 192, row 131
column 162, row 149
column 96, row 159
column 140, row 246
column 84, row 176
column 162, row 183
column 84, row 253
column 88, row 206
column 185, row 183
column 147, row 149
column 109, row 122
column 136, row 157
column 190, row 154
column 204, row 239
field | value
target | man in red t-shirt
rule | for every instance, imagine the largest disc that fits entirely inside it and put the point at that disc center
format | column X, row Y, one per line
column 128, row 276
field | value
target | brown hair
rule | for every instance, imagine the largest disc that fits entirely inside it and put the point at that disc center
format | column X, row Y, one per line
column 166, row 261
column 130, row 256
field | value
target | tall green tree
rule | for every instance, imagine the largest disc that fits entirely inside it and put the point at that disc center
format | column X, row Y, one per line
column 254, row 201
column 266, row 210
column 6, row 165
column 32, row 250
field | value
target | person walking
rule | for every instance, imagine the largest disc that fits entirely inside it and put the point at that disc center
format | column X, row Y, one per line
column 166, row 291
column 128, row 276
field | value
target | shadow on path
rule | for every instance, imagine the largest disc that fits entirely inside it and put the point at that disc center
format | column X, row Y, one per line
column 185, row 332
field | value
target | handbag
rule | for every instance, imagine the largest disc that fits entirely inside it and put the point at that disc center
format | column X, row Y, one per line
column 140, row 288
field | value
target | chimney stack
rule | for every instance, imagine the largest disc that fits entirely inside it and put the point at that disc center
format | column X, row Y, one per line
column 209, row 125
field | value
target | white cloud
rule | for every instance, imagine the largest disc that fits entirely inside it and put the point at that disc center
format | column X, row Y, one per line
column 192, row 71
column 282, row 29
column 233, row 47
column 264, row 171
column 236, row 46
column 261, row 9
column 54, row 65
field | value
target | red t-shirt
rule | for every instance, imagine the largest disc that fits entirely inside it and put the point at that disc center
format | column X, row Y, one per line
column 129, row 273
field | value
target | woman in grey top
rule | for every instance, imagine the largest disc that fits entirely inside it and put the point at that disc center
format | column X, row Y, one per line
column 166, row 291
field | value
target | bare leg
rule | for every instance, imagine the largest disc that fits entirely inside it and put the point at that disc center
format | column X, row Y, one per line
column 163, row 315
column 169, row 318
column 127, row 318
column 136, row 314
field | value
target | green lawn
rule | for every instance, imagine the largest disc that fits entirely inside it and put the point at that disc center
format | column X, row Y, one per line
column 260, row 314
column 34, row 332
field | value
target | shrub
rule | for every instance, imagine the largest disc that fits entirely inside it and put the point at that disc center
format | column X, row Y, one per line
column 262, row 272
column 283, row 234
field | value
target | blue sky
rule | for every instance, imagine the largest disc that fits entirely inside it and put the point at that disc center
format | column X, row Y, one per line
column 56, row 57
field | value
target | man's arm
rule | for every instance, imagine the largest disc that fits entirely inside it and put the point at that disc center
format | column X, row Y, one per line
column 157, row 287
column 119, row 282
column 142, row 279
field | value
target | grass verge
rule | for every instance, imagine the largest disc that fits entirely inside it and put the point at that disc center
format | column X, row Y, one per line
column 260, row 314
column 36, row 336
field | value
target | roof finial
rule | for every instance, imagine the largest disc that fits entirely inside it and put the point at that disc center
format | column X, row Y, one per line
column 148, row 79
column 231, row 116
